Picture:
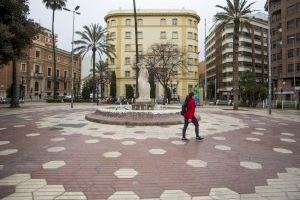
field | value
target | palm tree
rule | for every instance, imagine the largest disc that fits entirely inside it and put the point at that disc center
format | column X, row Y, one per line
column 103, row 75
column 93, row 38
column 236, row 12
column 54, row 5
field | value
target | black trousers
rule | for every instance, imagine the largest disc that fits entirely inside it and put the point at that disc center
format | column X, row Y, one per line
column 186, row 124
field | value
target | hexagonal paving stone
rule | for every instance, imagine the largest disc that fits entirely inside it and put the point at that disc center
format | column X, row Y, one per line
column 124, row 195
column 72, row 196
column 8, row 152
column 125, row 173
column 177, row 142
column 14, row 179
column 2, row 129
column 250, row 165
column 223, row 147
column 4, row 142
column 174, row 194
column 287, row 140
column 257, row 133
column 93, row 141
column 33, row 134
column 260, row 129
column 157, row 151
column 128, row 143
column 19, row 126
column 223, row 193
column 19, row 196
column 112, row 154
column 288, row 134
column 48, row 192
column 31, row 185
column 219, row 138
column 196, row 163
column 253, row 139
column 284, row 124
column 282, row 150
column 57, row 139
column 56, row 149
column 54, row 164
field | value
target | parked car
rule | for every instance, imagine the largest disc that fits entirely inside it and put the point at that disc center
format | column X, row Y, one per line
column 4, row 100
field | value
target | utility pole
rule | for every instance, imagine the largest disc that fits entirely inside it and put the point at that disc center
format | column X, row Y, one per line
column 269, row 53
column 205, row 79
column 136, row 53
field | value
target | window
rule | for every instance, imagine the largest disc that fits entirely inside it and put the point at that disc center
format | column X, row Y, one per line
column 65, row 74
column 48, row 85
column 190, row 61
column 127, row 74
column 175, row 46
column 140, row 35
column 139, row 22
column 112, row 61
column 37, row 69
column 163, row 21
column 74, row 76
column 290, row 53
column 113, row 22
column 190, row 87
column 127, row 35
column 163, row 35
column 57, row 73
column 113, row 35
column 36, row 86
column 291, row 10
column 37, row 54
column 190, row 22
column 175, row 35
column 49, row 57
column 127, row 47
column 195, row 49
column 140, row 47
column 190, row 35
column 298, row 22
column 298, row 38
column 127, row 61
column 174, row 22
column 290, row 68
column 113, row 47
column 128, row 22
column 190, row 48
column 291, row 24
column 291, row 39
column 65, row 86
column 23, row 67
column 195, row 36
column 58, row 59
column 49, row 71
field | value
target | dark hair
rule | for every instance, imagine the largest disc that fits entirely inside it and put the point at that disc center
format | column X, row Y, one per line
column 191, row 94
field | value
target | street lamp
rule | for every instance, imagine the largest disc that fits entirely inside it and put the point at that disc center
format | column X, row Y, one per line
column 282, row 88
column 136, row 52
column 269, row 58
column 72, row 64
column 294, row 66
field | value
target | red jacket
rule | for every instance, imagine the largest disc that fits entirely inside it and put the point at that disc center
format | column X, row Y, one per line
column 191, row 106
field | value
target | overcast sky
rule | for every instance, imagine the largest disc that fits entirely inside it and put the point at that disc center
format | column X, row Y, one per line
column 93, row 11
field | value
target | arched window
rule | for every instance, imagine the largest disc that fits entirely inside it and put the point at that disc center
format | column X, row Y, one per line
column 113, row 22
column 163, row 21
column 140, row 22
column 36, row 86
column 128, row 22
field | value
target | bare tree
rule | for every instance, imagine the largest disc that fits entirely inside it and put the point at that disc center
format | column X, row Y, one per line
column 164, row 61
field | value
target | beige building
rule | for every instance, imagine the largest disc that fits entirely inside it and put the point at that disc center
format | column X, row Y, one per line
column 35, row 73
column 179, row 27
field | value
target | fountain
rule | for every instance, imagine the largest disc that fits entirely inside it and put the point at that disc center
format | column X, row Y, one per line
column 143, row 112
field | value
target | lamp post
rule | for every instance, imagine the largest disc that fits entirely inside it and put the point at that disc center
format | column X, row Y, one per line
column 205, row 78
column 72, row 54
column 294, row 66
column 283, row 84
column 269, row 58
column 136, row 52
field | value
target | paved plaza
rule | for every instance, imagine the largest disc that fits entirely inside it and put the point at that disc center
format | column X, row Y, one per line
column 49, row 151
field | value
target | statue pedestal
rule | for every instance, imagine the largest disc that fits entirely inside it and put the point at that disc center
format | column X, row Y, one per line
column 143, row 105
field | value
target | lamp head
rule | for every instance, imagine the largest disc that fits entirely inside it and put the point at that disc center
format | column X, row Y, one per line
column 77, row 7
column 66, row 9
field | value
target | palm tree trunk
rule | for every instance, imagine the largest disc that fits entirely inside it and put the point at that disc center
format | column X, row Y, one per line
column 235, row 73
column 15, row 97
column 54, row 58
column 94, row 74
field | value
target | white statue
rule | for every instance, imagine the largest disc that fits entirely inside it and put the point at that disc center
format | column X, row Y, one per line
column 144, row 86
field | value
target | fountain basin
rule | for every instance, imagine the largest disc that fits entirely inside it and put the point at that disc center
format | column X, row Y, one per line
column 124, row 115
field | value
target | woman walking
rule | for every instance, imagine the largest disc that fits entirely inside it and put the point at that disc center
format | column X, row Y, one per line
column 189, row 116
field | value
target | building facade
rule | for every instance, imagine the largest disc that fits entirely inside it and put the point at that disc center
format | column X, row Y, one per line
column 179, row 27
column 285, row 48
column 35, row 73
column 253, row 53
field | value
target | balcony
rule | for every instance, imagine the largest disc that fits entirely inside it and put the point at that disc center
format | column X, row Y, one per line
column 38, row 75
column 275, row 6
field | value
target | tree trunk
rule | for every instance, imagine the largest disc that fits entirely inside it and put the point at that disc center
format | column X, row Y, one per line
column 15, row 98
column 235, row 73
column 94, row 74
column 54, row 58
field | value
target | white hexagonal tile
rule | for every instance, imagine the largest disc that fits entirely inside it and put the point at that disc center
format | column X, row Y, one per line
column 48, row 192
column 177, row 142
column 33, row 134
column 287, row 140
column 4, row 142
column 219, row 138
column 125, row 173
column 260, row 129
column 19, row 126
column 93, row 141
column 196, row 163
column 1, row 129
column 253, row 139
column 8, row 152
column 223, row 147
column 284, row 124
column 157, row 151
column 128, row 143
column 14, row 179
column 250, row 165
column 124, row 195
column 288, row 134
column 174, row 194
column 72, row 196
column 223, row 193
column 54, row 164
column 57, row 139
column 56, row 149
column 282, row 150
column 19, row 196
column 112, row 154
column 31, row 185
column 257, row 133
